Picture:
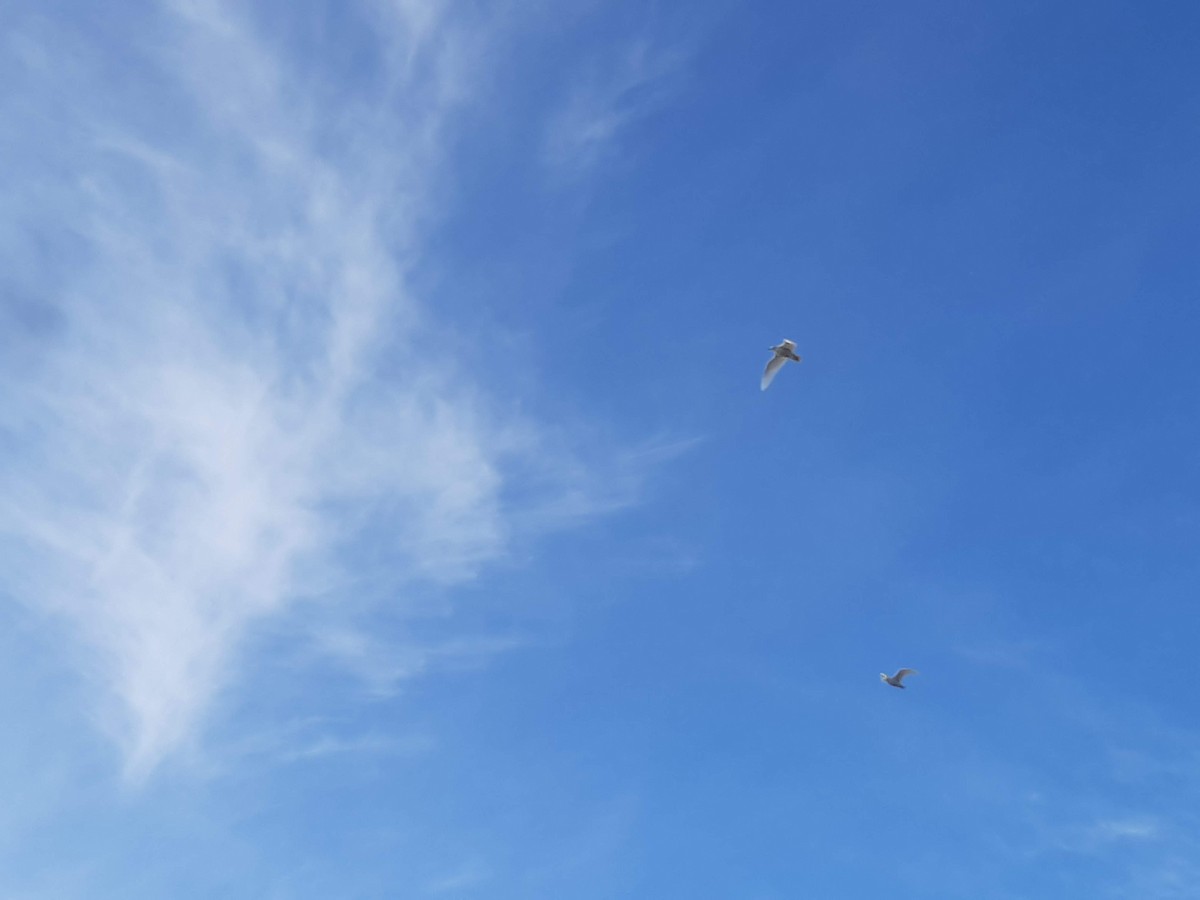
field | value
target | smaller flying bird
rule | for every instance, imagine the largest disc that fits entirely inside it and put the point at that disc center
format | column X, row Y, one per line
column 895, row 680
column 783, row 352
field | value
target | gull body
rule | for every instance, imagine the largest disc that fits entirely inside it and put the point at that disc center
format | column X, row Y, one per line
column 895, row 680
column 784, row 351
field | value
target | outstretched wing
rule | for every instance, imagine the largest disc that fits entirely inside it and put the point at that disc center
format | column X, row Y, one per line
column 904, row 673
column 773, row 366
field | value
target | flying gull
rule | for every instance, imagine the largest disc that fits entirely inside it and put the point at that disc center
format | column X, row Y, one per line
column 895, row 680
column 783, row 352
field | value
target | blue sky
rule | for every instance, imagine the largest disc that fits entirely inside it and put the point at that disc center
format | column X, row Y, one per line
column 390, row 508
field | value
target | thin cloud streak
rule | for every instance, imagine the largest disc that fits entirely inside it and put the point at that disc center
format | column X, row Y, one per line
column 469, row 878
column 604, row 103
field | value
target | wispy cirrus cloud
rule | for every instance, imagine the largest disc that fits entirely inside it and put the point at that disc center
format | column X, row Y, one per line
column 604, row 101
column 222, row 408
column 472, row 876
column 1143, row 828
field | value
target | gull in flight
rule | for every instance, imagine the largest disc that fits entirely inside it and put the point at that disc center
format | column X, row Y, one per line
column 895, row 680
column 783, row 352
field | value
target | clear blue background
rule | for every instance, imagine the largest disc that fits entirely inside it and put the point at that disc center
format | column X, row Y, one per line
column 979, row 223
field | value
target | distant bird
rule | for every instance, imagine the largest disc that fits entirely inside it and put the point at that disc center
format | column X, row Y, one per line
column 783, row 352
column 895, row 680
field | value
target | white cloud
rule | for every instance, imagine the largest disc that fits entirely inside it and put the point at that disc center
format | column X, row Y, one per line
column 331, row 745
column 235, row 408
column 1104, row 834
column 468, row 878
column 1126, row 829
column 604, row 101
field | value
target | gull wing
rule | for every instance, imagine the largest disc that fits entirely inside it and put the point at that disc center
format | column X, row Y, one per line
column 791, row 345
column 773, row 366
column 904, row 673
